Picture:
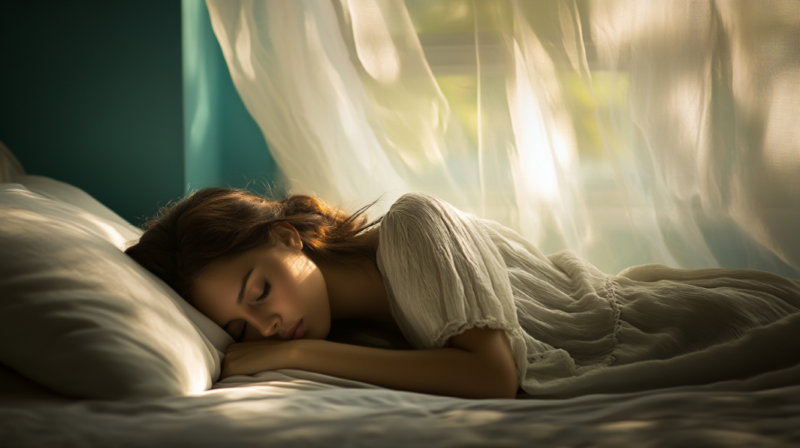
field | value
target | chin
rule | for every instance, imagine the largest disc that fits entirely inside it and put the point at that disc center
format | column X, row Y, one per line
column 320, row 335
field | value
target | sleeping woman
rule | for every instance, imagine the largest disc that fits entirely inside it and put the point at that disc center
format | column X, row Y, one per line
column 446, row 303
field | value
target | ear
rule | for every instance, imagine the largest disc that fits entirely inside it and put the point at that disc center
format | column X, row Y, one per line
column 288, row 235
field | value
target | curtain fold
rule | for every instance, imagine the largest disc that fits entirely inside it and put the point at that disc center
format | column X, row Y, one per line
column 714, row 104
column 630, row 132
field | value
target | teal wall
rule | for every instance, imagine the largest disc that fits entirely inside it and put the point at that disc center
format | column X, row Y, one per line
column 94, row 93
column 90, row 93
column 224, row 145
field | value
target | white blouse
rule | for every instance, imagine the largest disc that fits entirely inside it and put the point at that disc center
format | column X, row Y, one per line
column 573, row 329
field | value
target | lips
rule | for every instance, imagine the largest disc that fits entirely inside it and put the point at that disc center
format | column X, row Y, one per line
column 296, row 332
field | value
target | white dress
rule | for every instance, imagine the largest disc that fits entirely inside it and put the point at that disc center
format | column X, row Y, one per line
column 573, row 329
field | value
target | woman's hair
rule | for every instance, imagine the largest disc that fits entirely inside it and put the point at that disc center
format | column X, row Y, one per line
column 217, row 223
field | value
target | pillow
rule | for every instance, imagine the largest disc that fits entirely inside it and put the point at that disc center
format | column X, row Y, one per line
column 82, row 318
column 122, row 235
column 64, row 192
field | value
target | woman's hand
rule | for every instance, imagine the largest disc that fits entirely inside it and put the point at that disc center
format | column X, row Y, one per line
column 479, row 364
column 248, row 358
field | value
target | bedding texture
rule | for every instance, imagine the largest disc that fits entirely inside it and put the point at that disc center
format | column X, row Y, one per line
column 86, row 321
column 278, row 413
column 62, row 279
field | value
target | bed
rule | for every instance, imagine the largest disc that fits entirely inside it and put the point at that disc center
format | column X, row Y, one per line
column 98, row 352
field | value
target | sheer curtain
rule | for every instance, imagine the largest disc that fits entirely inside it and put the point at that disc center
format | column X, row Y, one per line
column 628, row 131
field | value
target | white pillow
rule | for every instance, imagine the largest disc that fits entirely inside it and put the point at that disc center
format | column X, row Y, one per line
column 123, row 235
column 64, row 192
column 80, row 317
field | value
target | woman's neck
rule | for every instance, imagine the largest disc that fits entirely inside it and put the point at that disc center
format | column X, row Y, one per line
column 356, row 291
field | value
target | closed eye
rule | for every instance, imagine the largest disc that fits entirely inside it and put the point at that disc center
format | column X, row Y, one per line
column 263, row 296
column 265, row 293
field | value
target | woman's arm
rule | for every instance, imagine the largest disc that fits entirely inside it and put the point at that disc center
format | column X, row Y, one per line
column 480, row 364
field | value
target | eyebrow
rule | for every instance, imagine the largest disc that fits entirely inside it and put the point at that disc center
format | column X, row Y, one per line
column 244, row 284
column 240, row 298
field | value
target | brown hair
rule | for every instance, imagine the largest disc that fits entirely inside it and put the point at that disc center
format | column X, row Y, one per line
column 216, row 223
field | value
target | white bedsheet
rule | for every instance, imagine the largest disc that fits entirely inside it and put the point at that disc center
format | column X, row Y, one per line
column 297, row 409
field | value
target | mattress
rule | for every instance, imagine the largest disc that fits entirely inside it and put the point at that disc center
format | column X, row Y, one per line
column 289, row 409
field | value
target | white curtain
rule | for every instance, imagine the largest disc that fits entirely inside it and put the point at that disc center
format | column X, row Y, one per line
column 628, row 131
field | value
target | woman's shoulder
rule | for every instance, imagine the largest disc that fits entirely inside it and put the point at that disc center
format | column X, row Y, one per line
column 414, row 199
column 419, row 206
column 420, row 218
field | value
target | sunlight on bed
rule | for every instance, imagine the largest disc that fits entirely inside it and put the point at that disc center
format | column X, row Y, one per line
column 24, row 215
column 250, row 405
column 276, row 388
column 466, row 417
column 625, row 425
column 109, row 232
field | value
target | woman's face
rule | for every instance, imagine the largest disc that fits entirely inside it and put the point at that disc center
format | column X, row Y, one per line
column 272, row 292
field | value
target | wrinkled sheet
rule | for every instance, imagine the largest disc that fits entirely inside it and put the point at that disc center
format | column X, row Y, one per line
column 297, row 409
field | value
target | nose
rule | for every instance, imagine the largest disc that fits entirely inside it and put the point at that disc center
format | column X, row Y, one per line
column 266, row 326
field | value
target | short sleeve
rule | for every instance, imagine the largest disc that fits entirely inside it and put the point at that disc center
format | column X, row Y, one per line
column 443, row 272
